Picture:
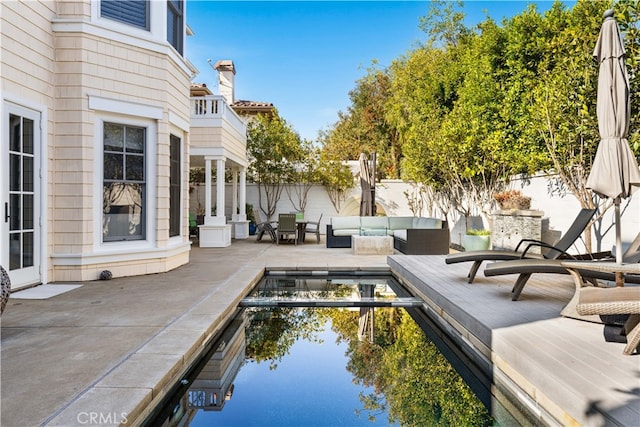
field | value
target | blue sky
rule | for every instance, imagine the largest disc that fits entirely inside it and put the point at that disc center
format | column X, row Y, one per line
column 305, row 56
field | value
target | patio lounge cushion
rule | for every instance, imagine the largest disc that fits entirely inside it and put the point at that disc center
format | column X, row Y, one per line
column 342, row 222
column 422, row 222
column 346, row 231
column 377, row 222
column 400, row 222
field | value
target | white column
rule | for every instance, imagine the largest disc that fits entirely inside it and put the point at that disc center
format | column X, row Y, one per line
column 243, row 193
column 207, row 191
column 234, row 193
column 220, row 218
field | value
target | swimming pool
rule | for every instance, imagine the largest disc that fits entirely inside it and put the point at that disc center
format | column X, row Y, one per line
column 310, row 366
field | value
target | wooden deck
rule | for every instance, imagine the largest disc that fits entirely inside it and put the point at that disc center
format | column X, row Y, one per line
column 561, row 369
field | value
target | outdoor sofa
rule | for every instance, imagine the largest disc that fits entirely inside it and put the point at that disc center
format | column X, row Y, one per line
column 411, row 235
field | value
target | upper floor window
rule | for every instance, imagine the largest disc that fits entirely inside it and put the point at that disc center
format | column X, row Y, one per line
column 132, row 12
column 175, row 27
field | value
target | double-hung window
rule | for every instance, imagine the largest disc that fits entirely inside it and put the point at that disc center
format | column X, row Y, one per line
column 131, row 12
column 124, row 183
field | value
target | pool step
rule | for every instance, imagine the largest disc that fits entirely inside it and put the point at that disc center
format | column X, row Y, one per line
column 294, row 301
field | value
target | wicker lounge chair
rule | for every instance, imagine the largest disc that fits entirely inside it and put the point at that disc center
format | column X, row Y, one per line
column 607, row 301
column 526, row 267
column 523, row 248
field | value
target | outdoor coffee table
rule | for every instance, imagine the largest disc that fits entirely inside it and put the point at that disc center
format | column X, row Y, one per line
column 372, row 245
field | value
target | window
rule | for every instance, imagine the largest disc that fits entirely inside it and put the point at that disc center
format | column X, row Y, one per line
column 20, row 212
column 174, row 23
column 124, row 185
column 174, row 186
column 131, row 12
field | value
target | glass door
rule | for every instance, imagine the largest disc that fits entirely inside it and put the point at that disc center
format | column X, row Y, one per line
column 20, row 204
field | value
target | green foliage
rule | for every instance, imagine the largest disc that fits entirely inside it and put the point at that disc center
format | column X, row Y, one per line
column 336, row 177
column 476, row 232
column 273, row 148
column 474, row 106
column 412, row 380
column 363, row 127
column 273, row 331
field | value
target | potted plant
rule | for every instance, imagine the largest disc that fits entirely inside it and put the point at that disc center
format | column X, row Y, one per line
column 200, row 214
column 512, row 199
column 476, row 240
column 251, row 218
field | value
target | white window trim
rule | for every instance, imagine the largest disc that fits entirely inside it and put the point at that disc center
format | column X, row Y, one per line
column 8, row 102
column 124, row 107
column 154, row 39
column 157, row 31
column 150, row 175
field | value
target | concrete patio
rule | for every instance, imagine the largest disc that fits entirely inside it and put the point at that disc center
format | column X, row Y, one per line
column 111, row 348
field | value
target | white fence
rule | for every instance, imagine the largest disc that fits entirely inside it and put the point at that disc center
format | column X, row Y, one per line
column 392, row 201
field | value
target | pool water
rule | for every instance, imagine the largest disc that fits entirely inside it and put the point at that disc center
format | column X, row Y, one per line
column 307, row 366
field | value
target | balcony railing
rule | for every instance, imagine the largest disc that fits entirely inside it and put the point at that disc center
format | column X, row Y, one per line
column 215, row 107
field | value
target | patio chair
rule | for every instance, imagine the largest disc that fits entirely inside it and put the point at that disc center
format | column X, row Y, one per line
column 523, row 248
column 287, row 228
column 525, row 267
column 615, row 301
column 263, row 227
column 313, row 227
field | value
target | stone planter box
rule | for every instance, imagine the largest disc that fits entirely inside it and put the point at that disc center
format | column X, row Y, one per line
column 511, row 226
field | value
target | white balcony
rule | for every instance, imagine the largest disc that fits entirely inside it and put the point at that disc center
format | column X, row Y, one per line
column 215, row 125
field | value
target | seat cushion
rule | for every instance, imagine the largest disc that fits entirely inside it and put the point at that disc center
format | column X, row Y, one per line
column 400, row 222
column 378, row 222
column 346, row 232
column 427, row 223
column 340, row 222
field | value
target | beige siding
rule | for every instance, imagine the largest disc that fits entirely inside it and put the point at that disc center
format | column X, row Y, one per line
column 64, row 70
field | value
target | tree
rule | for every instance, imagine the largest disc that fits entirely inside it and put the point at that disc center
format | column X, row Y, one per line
column 306, row 165
column 364, row 127
column 271, row 144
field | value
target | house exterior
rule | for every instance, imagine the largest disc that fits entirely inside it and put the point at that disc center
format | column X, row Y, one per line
column 96, row 115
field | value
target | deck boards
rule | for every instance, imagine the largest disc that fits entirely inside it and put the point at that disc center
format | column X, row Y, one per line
column 565, row 365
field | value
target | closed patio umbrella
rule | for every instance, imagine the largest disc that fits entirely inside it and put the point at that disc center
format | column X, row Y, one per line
column 366, row 182
column 614, row 170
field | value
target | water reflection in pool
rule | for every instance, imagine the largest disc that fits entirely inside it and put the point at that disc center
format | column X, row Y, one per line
column 327, row 367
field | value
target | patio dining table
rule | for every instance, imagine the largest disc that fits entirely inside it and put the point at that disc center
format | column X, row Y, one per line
column 301, row 224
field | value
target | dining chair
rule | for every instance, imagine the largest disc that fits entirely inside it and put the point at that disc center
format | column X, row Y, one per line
column 313, row 227
column 287, row 228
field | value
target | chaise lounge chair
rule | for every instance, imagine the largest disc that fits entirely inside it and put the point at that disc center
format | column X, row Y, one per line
column 549, row 251
column 526, row 267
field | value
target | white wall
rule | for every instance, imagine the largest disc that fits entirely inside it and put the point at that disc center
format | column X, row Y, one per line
column 391, row 199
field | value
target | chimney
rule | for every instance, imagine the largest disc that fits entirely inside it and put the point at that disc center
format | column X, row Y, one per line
column 226, row 73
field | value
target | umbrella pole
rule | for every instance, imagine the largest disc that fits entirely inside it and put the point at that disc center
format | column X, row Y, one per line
column 619, row 276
